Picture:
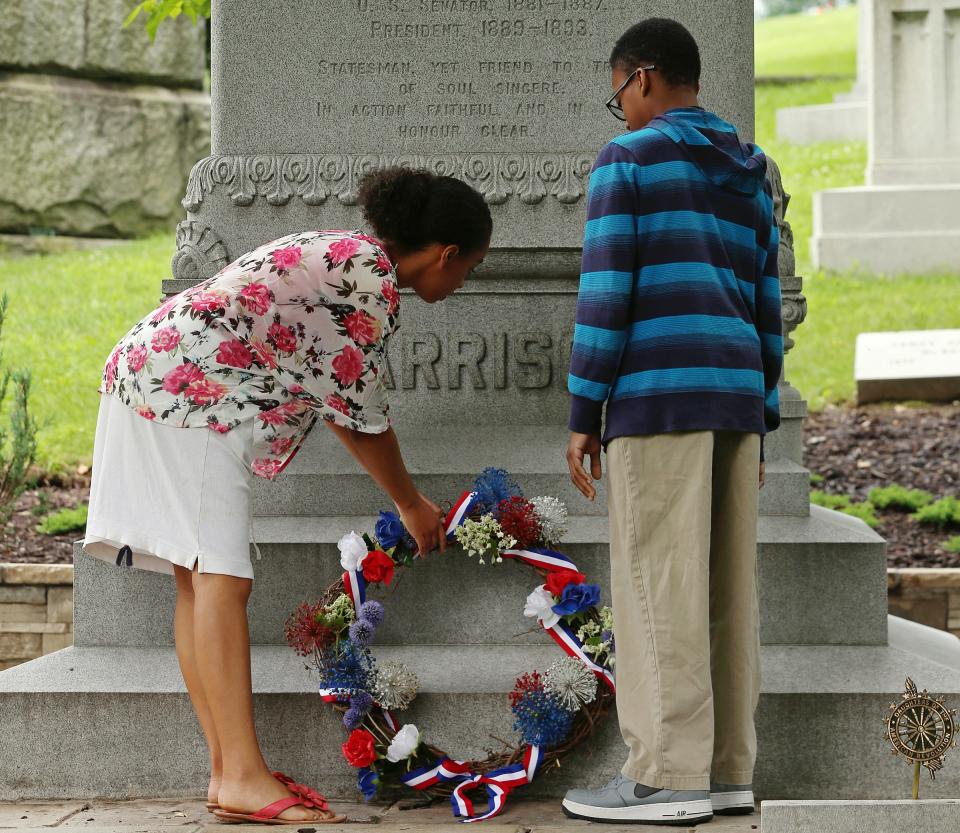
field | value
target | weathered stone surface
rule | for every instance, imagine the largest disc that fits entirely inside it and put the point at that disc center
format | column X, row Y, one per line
column 60, row 604
column 20, row 645
column 837, row 122
column 36, row 573
column 36, row 627
column 13, row 612
column 23, row 595
column 98, row 159
column 918, row 364
column 847, row 816
column 55, row 641
column 86, row 38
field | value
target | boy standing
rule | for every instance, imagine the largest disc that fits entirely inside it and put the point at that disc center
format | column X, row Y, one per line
column 678, row 331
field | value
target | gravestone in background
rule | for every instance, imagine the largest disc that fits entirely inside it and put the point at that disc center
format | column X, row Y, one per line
column 845, row 119
column 106, row 124
column 905, row 218
column 506, row 94
column 919, row 364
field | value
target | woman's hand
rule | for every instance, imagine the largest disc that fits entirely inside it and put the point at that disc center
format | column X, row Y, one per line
column 424, row 521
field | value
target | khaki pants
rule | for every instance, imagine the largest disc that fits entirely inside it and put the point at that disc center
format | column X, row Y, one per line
column 683, row 547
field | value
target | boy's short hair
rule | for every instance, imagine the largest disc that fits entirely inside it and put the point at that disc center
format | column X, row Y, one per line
column 663, row 42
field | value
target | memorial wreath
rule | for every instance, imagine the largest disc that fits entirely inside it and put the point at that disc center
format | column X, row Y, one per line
column 553, row 711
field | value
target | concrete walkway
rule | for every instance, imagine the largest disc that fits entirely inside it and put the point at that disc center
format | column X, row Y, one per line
column 190, row 816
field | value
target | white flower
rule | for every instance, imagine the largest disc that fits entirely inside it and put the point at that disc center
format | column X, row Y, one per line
column 553, row 518
column 353, row 549
column 540, row 603
column 404, row 743
column 572, row 682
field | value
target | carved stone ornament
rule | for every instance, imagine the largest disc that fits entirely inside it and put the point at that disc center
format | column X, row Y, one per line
column 200, row 252
column 278, row 178
column 794, row 304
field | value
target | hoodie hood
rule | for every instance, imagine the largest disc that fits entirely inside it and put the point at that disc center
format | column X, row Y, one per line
column 713, row 145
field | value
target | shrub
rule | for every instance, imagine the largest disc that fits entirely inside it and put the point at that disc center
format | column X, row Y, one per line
column 952, row 544
column 18, row 443
column 66, row 520
column 816, row 479
column 842, row 503
column 944, row 511
column 838, row 502
column 899, row 497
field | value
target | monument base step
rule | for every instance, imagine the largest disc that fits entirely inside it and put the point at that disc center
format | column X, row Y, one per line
column 838, row 122
column 117, row 722
column 887, row 229
column 822, row 581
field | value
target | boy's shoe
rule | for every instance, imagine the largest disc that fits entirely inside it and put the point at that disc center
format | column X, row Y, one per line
column 731, row 799
column 623, row 800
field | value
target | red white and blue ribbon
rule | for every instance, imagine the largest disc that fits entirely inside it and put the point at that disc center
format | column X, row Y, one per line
column 498, row 784
column 546, row 559
column 567, row 640
column 355, row 586
column 458, row 514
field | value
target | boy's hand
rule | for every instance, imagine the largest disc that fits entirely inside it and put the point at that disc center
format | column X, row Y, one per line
column 761, row 475
column 579, row 446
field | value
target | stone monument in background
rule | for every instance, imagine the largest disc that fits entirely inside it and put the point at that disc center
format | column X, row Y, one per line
column 905, row 218
column 845, row 119
column 508, row 95
column 100, row 126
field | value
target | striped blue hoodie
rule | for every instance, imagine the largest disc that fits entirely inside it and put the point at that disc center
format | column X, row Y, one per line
column 678, row 316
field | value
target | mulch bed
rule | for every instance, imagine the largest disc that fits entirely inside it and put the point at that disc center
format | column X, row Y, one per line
column 857, row 449
column 853, row 449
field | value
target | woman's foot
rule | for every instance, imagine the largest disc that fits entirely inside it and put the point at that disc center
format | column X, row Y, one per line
column 251, row 794
column 214, row 788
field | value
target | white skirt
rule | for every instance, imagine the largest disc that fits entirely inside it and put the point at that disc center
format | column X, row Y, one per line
column 172, row 495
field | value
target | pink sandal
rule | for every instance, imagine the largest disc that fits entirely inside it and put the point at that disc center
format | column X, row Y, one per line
column 303, row 794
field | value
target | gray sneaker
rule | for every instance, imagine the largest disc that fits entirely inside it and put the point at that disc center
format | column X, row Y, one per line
column 731, row 799
column 623, row 800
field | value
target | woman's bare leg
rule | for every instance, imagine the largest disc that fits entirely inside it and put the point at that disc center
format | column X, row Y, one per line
column 222, row 651
column 183, row 634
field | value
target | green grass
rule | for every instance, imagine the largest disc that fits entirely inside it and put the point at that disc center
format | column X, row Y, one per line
column 800, row 45
column 66, row 520
column 66, row 313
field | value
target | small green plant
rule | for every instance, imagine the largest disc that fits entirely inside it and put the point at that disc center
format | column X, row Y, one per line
column 942, row 512
column 838, row 502
column 899, row 497
column 816, row 479
column 952, row 544
column 18, row 442
column 156, row 11
column 842, row 503
column 66, row 520
column 43, row 505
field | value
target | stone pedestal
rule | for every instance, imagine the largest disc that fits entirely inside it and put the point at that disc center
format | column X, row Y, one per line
column 904, row 219
column 478, row 380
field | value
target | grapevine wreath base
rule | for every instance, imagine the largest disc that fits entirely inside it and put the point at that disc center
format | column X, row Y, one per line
column 555, row 711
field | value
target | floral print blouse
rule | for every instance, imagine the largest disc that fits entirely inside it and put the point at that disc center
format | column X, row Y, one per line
column 290, row 331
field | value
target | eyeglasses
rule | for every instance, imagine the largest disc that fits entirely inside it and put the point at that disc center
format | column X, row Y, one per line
column 613, row 103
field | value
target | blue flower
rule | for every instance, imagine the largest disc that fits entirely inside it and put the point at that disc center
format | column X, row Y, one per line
column 541, row 718
column 346, row 667
column 361, row 632
column 367, row 782
column 352, row 718
column 492, row 486
column 372, row 612
column 390, row 530
column 577, row 598
column 361, row 701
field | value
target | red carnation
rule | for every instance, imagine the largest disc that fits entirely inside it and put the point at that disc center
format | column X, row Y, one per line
column 378, row 567
column 360, row 749
column 557, row 581
column 519, row 518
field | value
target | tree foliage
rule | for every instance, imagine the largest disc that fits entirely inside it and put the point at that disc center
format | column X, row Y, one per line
column 156, row 11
